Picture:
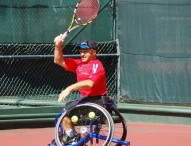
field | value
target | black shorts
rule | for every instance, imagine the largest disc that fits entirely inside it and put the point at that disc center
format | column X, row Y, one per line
column 93, row 99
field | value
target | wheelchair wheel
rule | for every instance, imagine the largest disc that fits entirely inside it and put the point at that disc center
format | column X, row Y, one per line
column 99, row 130
column 119, row 125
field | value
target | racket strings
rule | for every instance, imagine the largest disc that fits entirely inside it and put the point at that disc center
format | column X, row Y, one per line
column 86, row 11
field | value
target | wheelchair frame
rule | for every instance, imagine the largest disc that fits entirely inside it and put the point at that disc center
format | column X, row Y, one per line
column 107, row 112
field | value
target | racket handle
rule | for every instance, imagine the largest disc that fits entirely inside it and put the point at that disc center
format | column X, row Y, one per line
column 64, row 35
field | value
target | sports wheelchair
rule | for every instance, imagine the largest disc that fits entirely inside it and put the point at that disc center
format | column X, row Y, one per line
column 97, row 125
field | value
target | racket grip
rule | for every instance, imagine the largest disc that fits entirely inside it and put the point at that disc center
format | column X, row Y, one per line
column 64, row 35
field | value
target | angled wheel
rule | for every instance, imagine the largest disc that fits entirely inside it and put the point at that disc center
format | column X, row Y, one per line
column 119, row 125
column 97, row 131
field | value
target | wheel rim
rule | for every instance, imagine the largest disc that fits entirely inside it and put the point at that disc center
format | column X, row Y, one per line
column 101, row 116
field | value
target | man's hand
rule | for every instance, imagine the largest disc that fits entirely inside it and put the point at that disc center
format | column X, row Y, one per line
column 58, row 40
column 63, row 95
column 75, row 87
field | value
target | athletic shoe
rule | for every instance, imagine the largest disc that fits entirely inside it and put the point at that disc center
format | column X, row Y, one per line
column 71, row 140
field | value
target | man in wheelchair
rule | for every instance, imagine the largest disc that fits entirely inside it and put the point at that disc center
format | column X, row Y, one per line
column 91, row 80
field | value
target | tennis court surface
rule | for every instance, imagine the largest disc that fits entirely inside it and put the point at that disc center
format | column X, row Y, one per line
column 139, row 134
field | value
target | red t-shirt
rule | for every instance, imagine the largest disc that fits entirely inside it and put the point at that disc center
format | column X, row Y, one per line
column 93, row 70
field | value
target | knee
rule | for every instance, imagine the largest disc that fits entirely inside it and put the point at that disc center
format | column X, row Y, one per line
column 66, row 122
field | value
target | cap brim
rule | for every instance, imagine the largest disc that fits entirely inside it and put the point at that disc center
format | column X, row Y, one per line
column 82, row 46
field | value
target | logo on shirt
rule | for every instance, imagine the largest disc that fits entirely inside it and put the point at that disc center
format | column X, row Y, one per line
column 85, row 73
column 95, row 66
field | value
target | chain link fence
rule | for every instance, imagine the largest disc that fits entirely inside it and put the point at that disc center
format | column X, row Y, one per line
column 29, row 76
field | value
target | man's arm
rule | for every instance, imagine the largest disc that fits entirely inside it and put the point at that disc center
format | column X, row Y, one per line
column 75, row 87
column 58, row 54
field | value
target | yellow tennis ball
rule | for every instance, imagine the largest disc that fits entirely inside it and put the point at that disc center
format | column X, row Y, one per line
column 91, row 115
column 74, row 119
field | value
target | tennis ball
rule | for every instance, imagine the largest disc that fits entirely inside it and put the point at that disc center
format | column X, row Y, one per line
column 74, row 119
column 91, row 115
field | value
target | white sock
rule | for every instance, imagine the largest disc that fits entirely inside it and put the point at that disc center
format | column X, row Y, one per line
column 70, row 133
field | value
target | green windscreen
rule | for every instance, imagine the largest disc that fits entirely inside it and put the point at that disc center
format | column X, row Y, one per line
column 155, row 50
column 39, row 21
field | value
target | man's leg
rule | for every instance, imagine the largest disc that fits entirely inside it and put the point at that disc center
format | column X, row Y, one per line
column 70, row 136
column 67, row 123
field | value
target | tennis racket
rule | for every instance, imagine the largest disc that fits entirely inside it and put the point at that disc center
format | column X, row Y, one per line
column 84, row 13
